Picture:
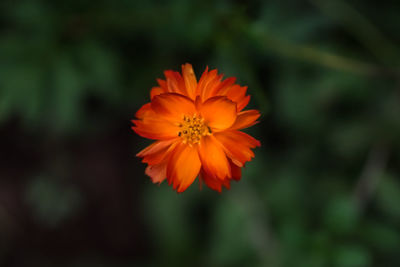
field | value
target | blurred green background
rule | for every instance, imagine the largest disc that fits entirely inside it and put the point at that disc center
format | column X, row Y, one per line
column 323, row 190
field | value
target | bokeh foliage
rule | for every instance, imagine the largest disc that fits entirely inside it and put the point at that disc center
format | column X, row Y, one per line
column 324, row 187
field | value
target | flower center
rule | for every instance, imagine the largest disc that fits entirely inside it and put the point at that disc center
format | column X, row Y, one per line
column 192, row 129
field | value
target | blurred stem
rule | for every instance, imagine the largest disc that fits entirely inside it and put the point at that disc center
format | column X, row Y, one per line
column 316, row 56
column 361, row 28
column 371, row 174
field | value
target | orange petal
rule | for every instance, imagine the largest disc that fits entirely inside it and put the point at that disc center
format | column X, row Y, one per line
column 173, row 106
column 236, row 171
column 237, row 145
column 145, row 110
column 219, row 112
column 156, row 91
column 201, row 81
column 243, row 103
column 208, row 83
column 213, row 158
column 157, row 172
column 237, row 94
column 224, row 86
column 213, row 183
column 175, row 83
column 190, row 80
column 155, row 147
column 154, row 127
column 163, row 84
column 157, row 152
column 212, row 86
column 183, row 166
column 245, row 119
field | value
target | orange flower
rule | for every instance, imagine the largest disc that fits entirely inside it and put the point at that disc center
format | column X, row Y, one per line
column 196, row 125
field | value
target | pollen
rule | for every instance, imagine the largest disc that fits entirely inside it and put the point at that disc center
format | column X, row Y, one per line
column 192, row 129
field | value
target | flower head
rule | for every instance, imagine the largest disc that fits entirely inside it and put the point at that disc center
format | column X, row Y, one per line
column 196, row 127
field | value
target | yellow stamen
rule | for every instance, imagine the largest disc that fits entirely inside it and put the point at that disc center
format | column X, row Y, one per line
column 192, row 129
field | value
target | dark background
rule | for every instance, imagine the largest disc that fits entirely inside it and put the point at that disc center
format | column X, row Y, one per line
column 324, row 187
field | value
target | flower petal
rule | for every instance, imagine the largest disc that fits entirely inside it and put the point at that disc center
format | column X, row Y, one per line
column 237, row 145
column 163, row 84
column 236, row 171
column 190, row 80
column 208, row 84
column 155, row 148
column 144, row 111
column 245, row 119
column 237, row 94
column 158, row 172
column 201, row 81
column 157, row 152
column 213, row 158
column 156, row 91
column 224, row 86
column 154, row 127
column 213, row 183
column 219, row 112
column 243, row 103
column 175, row 82
column 183, row 166
column 173, row 106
